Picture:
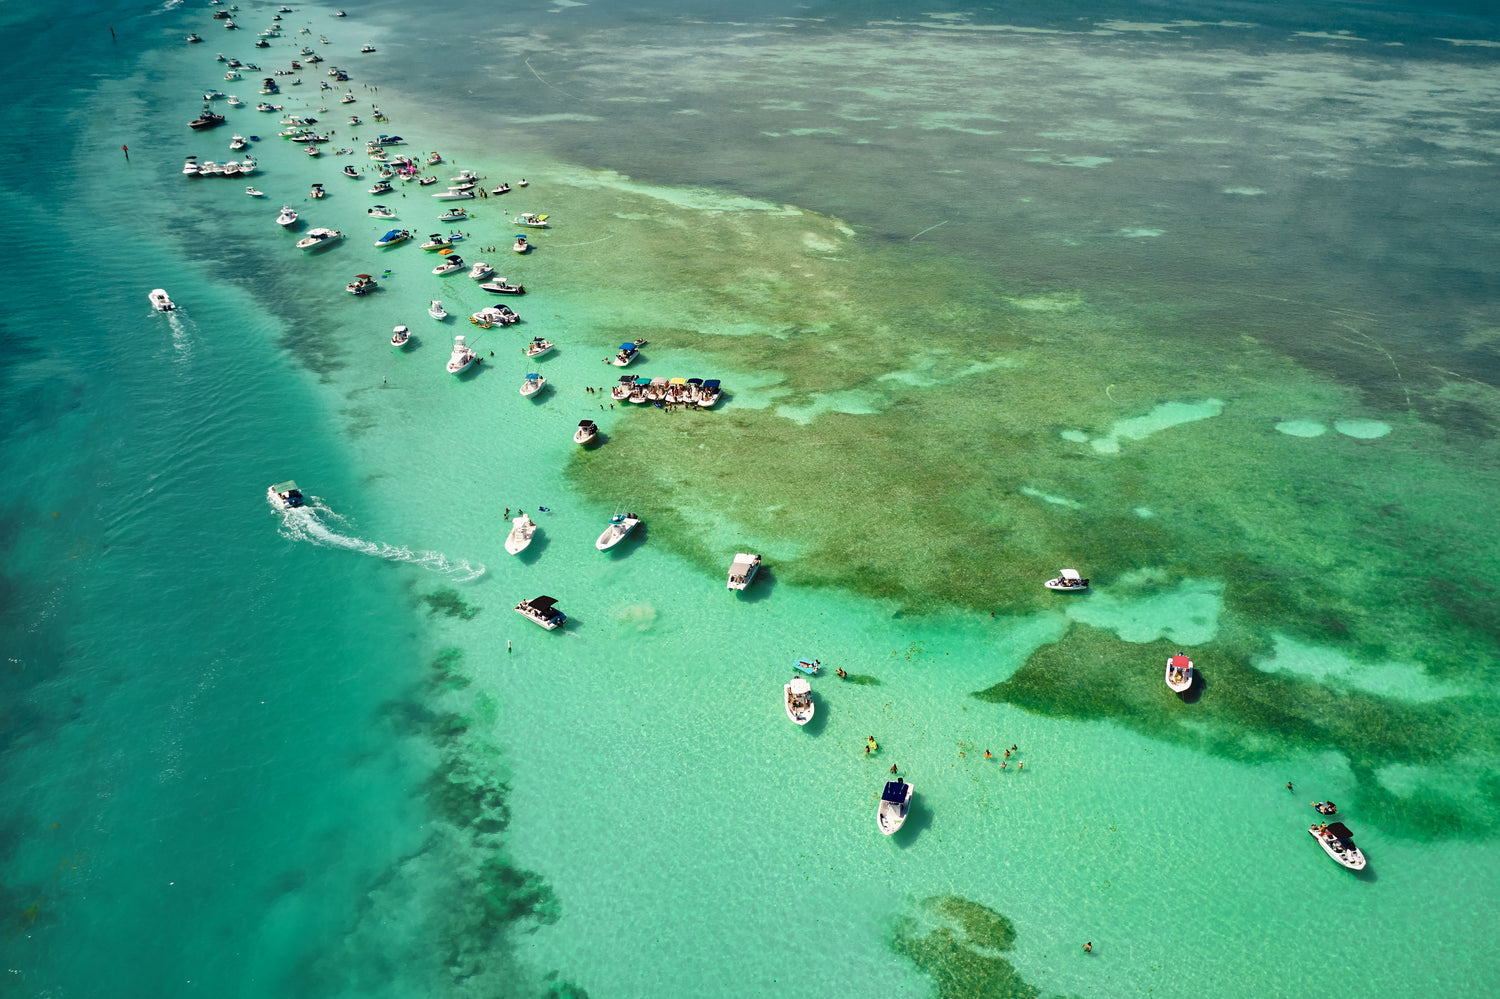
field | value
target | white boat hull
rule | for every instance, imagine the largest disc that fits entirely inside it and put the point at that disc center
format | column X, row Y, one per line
column 1352, row 858
column 801, row 713
column 521, row 533
column 890, row 816
column 160, row 302
column 742, row 570
column 1179, row 678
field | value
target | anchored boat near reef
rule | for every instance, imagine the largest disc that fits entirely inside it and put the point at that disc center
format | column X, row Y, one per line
column 542, row 610
column 742, row 570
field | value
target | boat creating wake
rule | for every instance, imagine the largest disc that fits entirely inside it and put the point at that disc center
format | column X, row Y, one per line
column 311, row 522
column 182, row 337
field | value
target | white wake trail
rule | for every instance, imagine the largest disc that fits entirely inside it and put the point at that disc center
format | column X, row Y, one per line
column 311, row 523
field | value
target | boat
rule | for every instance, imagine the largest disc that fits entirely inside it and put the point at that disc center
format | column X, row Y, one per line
column 499, row 287
column 190, row 168
column 1067, row 581
column 808, row 666
column 232, row 74
column 314, row 151
column 248, row 164
column 620, row 525
column 1179, row 672
column 708, row 393
column 437, row 241
column 537, row 347
column 160, row 301
column 434, row 158
column 455, row 194
column 521, row 183
column 531, row 219
column 799, row 704
column 895, row 800
column 450, row 264
column 317, row 190
column 381, row 187
column 238, row 142
column 214, row 95
column 362, row 284
column 353, row 118
column 400, row 336
column 393, row 237
column 285, row 495
column 520, row 245
column 268, row 85
column 656, row 391
column 194, row 38
column 367, row 47
column 381, row 212
column 436, row 310
column 454, row 215
column 319, row 237
column 480, row 271
column 621, row 390
column 638, row 391
column 235, row 102
column 1337, row 841
column 522, row 529
column 263, row 106
column 254, row 193
column 742, row 570
column 502, row 189
column 533, row 384
column 462, row 358
column 492, row 315
column 230, row 25
column 1325, row 807
column 542, row 610
column 339, row 13
column 587, row 431
column 348, row 98
column 207, row 119
column 425, row 181
column 229, row 168
column 628, row 353
column 288, row 216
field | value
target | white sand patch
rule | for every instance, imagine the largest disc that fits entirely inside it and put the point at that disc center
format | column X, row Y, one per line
column 538, row 119
column 1076, row 436
column 1162, row 417
column 1187, row 613
column 851, row 402
column 1049, row 498
column 694, row 198
column 1246, row 191
column 1141, row 233
column 1480, row 42
column 1046, row 303
column 1302, row 428
column 1363, row 429
column 1330, row 667
column 1336, row 36
column 1144, row 512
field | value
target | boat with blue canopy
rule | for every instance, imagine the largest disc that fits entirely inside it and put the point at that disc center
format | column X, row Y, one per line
column 895, row 800
column 708, row 393
column 628, row 352
column 622, row 388
column 393, row 237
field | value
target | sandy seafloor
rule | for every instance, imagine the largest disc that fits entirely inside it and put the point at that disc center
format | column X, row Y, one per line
column 1199, row 301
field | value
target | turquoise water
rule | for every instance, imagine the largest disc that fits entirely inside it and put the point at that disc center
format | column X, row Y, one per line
column 1192, row 305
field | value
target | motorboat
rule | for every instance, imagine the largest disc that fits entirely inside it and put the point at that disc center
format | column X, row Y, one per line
column 533, row 384
column 499, row 287
column 353, row 118
column 238, row 142
column 465, row 177
column 1179, row 672
column 362, row 284
column 348, row 97
column 232, row 74
column 381, row 212
column 895, row 801
column 283, row 9
column 207, row 119
column 390, row 140
column 235, row 102
column 263, row 106
column 494, row 315
column 542, row 610
column 708, row 393
column 320, row 237
column 808, row 666
column 1067, row 581
column 1337, row 841
column 230, row 25
column 520, row 245
column 254, row 193
column 434, row 158
column 314, row 151
column 194, row 38
column 480, row 271
column 621, row 390
column 587, row 431
column 455, row 194
column 1325, row 807
column 285, row 495
column 317, row 191
column 502, row 189
column 160, row 301
column 229, row 168
column 393, row 237
column 190, row 168
column 628, row 352
column 799, row 704
column 656, row 391
column 400, row 336
column 522, row 182
column 214, row 95
column 454, row 215
column 537, row 347
column 288, row 216
column 349, row 171
column 268, row 85
column 381, row 187
column 450, row 264
column 463, row 357
column 248, row 164
column 426, row 181
column 436, row 310
column 437, row 241
column 742, row 570
column 677, row 391
column 522, row 529
column 620, row 525
column 638, row 391
column 531, row 219
column 367, row 47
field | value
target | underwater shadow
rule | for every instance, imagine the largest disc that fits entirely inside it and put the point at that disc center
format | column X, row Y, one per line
column 819, row 721
column 1367, row 875
column 533, row 551
column 917, row 822
column 1194, row 693
column 629, row 543
column 760, row 587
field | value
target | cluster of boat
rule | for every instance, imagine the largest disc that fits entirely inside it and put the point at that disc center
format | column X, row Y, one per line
column 1335, row 838
column 208, row 168
column 699, row 392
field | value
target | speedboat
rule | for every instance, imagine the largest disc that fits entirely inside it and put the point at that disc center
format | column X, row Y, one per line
column 708, row 393
column 502, row 189
column 288, row 216
column 492, row 315
column 348, row 97
column 895, row 800
column 638, row 391
column 622, row 388
column 319, row 237
column 656, row 391
column 433, row 159
column 254, row 193
column 238, row 142
column 208, row 119
column 339, row 13
column 362, row 284
column 799, row 704
column 381, row 212
column 317, row 190
column 437, row 241
column 214, row 95
column 456, row 194
column 263, row 106
column 587, row 431
column 314, row 151
column 520, row 245
column 436, row 310
column 521, row 531
column 248, row 165
column 521, row 183
column 449, row 265
column 190, row 168
column 542, row 610
column 393, row 237
column 235, row 102
column 677, row 390
column 454, row 215
column 620, row 525
column 499, row 287
column 537, row 347
column 353, row 118
column 1325, row 807
column 367, row 47
column 381, row 187
column 808, row 666
column 426, row 181
column 463, row 358
column 628, row 352
column 1337, row 841
column 1179, row 672
column 229, row 168
column 466, row 178
column 1067, row 581
column 233, row 74
column 400, row 336
column 285, row 495
column 160, row 301
column 742, row 570
column 480, row 271
column 194, row 38
column 533, row 384
column 349, row 171
column 531, row 219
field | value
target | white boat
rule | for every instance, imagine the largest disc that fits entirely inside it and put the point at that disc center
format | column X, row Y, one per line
column 480, row 271
column 214, row 95
column 1179, row 672
column 628, row 352
column 349, row 171
column 318, row 237
column 437, row 241
column 454, row 215
column 638, row 391
column 521, row 531
column 520, row 245
column 533, row 384
column 285, row 495
column 895, row 800
column 620, row 525
column 1338, row 842
column 362, row 284
column 381, row 212
column 799, row 703
column 248, row 165
column 502, row 189
column 235, row 102
column 531, row 219
column 381, row 187
column 622, row 388
column 434, row 158
column 449, row 264
column 494, row 315
column 742, row 570
column 436, row 310
column 160, row 301
column 190, row 168
column 393, row 237
column 317, row 192
column 254, row 193
column 708, row 393
column 499, row 287
column 367, row 47
column 586, row 432
column 537, row 347
column 400, row 336
column 314, row 151
column 463, row 358
column 469, row 177
column 1067, row 581
column 542, row 610
column 453, row 194
column 288, row 216
column 656, row 391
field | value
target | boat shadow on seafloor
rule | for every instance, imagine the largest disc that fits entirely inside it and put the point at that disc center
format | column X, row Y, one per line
column 760, row 588
column 1195, row 689
column 598, row 440
column 628, row 543
column 918, row 820
column 819, row 721
column 533, row 551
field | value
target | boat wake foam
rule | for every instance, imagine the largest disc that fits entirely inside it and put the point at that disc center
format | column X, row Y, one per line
column 312, row 521
column 182, row 338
